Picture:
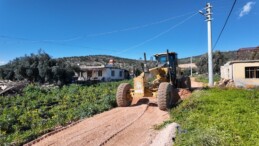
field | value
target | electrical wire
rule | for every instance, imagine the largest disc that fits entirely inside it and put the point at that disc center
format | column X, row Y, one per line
column 122, row 30
column 158, row 35
column 140, row 26
column 58, row 42
column 230, row 12
column 54, row 43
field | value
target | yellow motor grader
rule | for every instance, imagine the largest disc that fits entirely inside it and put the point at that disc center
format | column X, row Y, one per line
column 159, row 82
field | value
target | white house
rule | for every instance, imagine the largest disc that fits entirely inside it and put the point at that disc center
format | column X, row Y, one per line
column 243, row 73
column 102, row 73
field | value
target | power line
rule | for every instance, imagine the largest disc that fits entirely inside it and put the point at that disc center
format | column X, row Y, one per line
column 122, row 30
column 130, row 28
column 54, row 43
column 140, row 26
column 158, row 35
column 233, row 5
column 57, row 42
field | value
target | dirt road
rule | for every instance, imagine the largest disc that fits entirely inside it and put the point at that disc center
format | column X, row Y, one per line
column 120, row 126
column 195, row 84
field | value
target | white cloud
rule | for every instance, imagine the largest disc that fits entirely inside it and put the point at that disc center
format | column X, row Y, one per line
column 2, row 62
column 246, row 8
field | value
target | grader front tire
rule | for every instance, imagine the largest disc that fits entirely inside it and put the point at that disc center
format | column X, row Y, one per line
column 164, row 96
column 123, row 96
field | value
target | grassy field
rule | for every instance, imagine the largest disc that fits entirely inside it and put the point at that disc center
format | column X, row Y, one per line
column 218, row 117
column 38, row 111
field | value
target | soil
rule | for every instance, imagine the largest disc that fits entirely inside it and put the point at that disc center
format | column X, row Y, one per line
column 132, row 125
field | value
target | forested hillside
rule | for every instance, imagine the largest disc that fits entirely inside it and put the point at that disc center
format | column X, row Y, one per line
column 220, row 58
column 230, row 55
column 92, row 60
column 241, row 54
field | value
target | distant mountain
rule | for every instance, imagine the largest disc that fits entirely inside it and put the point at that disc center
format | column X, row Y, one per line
column 250, row 53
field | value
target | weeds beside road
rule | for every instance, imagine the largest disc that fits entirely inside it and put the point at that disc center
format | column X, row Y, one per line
column 218, row 117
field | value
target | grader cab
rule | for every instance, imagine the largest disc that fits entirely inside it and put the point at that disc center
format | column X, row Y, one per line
column 158, row 82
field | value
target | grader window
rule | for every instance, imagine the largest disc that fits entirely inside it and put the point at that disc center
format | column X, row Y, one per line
column 251, row 72
column 162, row 59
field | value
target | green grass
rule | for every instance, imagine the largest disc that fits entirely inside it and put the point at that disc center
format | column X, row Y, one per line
column 218, row 117
column 204, row 78
column 38, row 111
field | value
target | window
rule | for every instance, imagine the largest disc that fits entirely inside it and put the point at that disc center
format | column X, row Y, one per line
column 251, row 72
column 113, row 73
column 100, row 73
column 89, row 74
column 120, row 73
column 162, row 59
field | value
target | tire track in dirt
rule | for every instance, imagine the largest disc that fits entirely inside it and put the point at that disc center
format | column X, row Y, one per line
column 141, row 132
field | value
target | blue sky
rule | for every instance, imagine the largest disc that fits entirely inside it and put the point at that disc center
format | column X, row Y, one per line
column 124, row 28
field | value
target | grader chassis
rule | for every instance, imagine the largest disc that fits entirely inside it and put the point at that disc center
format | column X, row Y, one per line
column 159, row 82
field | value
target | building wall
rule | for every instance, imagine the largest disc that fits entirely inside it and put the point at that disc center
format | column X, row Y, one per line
column 106, row 74
column 239, row 74
column 226, row 72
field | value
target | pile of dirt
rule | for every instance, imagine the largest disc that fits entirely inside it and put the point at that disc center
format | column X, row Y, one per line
column 184, row 93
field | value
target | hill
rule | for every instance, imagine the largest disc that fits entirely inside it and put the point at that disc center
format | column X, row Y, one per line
column 250, row 53
column 230, row 55
column 95, row 60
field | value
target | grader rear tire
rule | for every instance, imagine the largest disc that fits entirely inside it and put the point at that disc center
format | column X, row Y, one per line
column 164, row 96
column 123, row 97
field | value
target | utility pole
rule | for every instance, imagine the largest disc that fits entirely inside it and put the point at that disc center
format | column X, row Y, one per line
column 210, row 63
column 191, row 65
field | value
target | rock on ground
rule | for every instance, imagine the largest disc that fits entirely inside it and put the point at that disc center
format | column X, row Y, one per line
column 166, row 136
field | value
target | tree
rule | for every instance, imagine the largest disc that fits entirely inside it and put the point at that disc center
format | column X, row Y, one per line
column 38, row 68
column 218, row 60
column 202, row 64
column 20, row 73
column 2, row 73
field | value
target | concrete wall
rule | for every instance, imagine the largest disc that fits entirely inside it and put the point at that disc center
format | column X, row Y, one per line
column 226, row 72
